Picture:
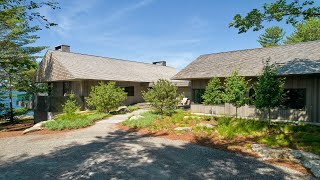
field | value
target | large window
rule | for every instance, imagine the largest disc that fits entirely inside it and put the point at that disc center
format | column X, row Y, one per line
column 129, row 90
column 197, row 95
column 66, row 87
column 295, row 98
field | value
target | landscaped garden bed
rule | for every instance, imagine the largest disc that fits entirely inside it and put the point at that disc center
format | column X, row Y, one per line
column 236, row 135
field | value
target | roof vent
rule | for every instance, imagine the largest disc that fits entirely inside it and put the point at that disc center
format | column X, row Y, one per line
column 160, row 63
column 63, row 48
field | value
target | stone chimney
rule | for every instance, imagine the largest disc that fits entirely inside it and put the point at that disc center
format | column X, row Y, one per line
column 160, row 63
column 63, row 48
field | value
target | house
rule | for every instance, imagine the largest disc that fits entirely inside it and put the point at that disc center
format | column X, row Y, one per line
column 298, row 63
column 67, row 72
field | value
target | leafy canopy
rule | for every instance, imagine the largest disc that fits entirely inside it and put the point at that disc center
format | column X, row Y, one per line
column 106, row 97
column 292, row 11
column 213, row 93
column 308, row 30
column 163, row 97
column 236, row 88
column 273, row 36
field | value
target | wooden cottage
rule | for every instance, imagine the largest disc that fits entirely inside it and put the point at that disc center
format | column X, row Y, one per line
column 298, row 63
column 67, row 72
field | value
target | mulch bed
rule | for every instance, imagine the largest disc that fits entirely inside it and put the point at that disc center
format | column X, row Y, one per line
column 234, row 146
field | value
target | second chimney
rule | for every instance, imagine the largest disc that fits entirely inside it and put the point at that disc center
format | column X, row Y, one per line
column 63, row 48
column 160, row 63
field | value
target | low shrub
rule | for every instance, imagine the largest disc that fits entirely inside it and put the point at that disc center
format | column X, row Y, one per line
column 78, row 120
column 71, row 106
column 19, row 111
column 133, row 108
column 143, row 122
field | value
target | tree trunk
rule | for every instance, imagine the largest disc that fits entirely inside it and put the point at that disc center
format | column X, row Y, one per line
column 10, row 97
column 236, row 112
column 269, row 117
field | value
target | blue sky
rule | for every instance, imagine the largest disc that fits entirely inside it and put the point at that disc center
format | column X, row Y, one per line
column 177, row 31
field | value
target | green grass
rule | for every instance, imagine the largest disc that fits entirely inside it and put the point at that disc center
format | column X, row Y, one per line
column 20, row 111
column 76, row 121
column 230, row 127
column 133, row 108
column 145, row 121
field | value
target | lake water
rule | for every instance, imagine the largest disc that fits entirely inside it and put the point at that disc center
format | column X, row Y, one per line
column 6, row 102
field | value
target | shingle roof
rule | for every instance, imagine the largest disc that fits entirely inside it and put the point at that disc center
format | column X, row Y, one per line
column 62, row 66
column 301, row 58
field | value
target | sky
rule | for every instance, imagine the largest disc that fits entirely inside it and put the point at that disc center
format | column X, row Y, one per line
column 177, row 31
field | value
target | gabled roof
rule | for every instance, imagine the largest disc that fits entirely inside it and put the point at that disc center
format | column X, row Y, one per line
column 301, row 58
column 66, row 66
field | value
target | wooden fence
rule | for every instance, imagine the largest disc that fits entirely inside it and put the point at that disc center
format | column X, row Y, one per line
column 250, row 112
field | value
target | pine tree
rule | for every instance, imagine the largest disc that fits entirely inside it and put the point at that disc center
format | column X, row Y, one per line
column 213, row 93
column 273, row 36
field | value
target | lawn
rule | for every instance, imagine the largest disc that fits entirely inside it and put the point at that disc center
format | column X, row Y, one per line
column 76, row 121
column 231, row 132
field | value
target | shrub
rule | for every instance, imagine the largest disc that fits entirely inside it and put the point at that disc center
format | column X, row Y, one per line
column 106, row 97
column 71, row 106
column 163, row 97
column 213, row 93
column 19, row 111
column 75, row 121
column 133, row 108
column 145, row 121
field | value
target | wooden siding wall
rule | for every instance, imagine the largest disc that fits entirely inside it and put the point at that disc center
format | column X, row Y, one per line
column 185, row 90
column 311, row 113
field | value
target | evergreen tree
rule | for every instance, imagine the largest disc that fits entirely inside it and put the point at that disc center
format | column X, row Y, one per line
column 273, row 36
column 305, row 31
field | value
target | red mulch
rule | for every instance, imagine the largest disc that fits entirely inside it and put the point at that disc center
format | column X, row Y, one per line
column 235, row 146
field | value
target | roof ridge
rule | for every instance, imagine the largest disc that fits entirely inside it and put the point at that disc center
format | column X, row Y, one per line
column 110, row 58
column 270, row 47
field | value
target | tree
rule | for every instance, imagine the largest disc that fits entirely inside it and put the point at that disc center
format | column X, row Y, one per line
column 71, row 106
column 290, row 11
column 17, row 55
column 269, row 89
column 213, row 93
column 273, row 36
column 106, row 97
column 305, row 31
column 236, row 88
column 163, row 97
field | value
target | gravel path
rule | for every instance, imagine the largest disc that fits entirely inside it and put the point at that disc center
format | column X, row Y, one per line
column 104, row 152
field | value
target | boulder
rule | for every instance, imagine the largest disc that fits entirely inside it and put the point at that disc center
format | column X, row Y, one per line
column 122, row 110
column 135, row 117
column 187, row 129
column 209, row 126
column 36, row 127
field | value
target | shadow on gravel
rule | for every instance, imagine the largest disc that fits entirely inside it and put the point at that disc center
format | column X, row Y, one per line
column 126, row 155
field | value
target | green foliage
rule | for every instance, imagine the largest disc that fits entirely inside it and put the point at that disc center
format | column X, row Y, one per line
column 292, row 12
column 305, row 31
column 71, row 106
column 106, row 97
column 145, row 121
column 231, row 127
column 19, row 111
column 269, row 89
column 133, row 108
column 163, row 97
column 236, row 88
column 273, row 36
column 78, row 120
column 213, row 93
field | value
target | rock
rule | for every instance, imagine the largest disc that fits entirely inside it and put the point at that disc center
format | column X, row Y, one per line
column 187, row 129
column 36, row 127
column 122, row 110
column 135, row 117
column 209, row 126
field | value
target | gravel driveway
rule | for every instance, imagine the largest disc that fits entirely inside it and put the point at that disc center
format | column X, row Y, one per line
column 104, row 152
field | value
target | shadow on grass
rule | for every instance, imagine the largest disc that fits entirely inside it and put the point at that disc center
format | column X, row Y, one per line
column 127, row 155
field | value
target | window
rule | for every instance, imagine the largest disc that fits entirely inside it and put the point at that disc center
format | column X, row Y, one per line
column 66, row 87
column 295, row 98
column 197, row 95
column 252, row 96
column 129, row 90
